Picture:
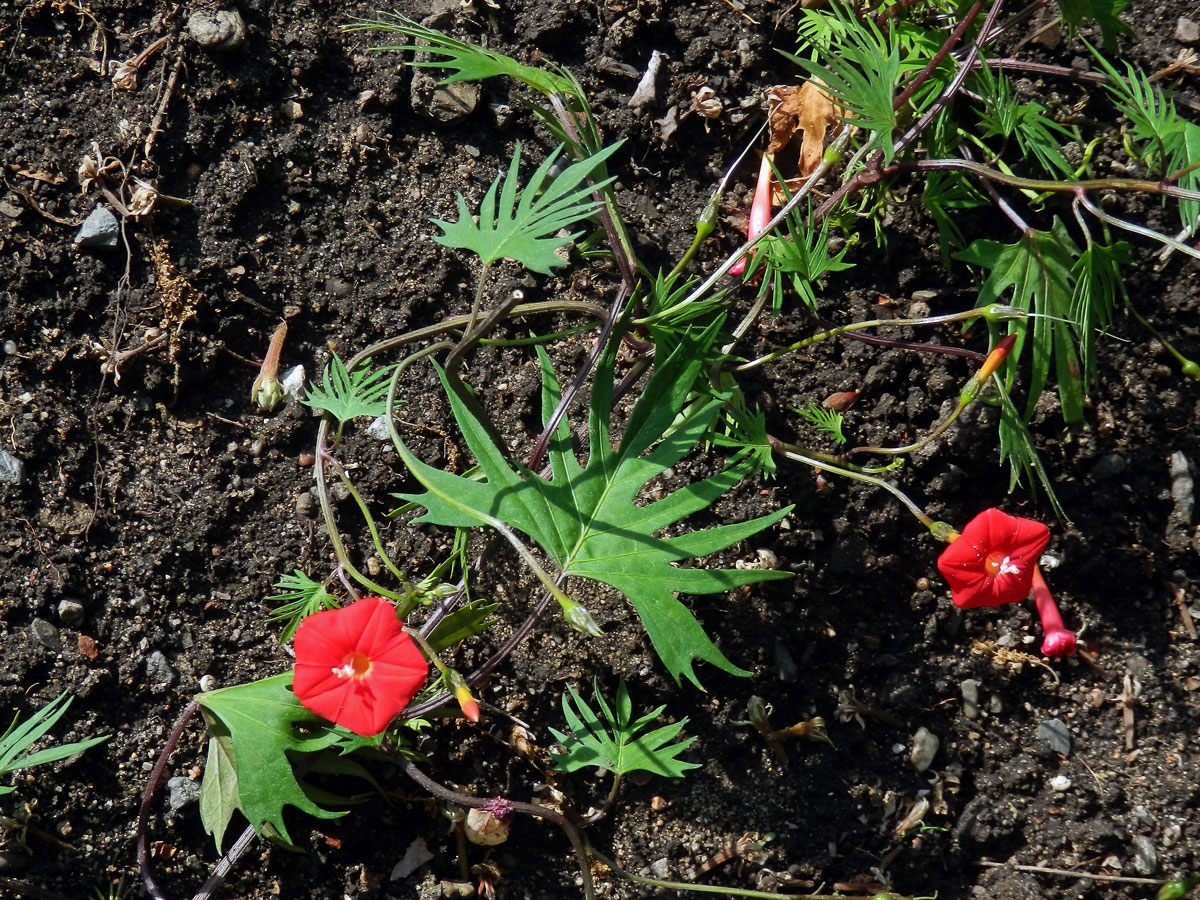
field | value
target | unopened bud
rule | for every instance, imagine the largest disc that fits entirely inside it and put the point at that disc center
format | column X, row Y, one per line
column 580, row 619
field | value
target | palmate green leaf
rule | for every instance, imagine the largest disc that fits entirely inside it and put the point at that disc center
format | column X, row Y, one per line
column 801, row 259
column 1150, row 110
column 348, row 395
column 823, row 419
column 585, row 517
column 301, row 597
column 1106, row 14
column 611, row 741
column 1038, row 269
column 259, row 723
column 527, row 231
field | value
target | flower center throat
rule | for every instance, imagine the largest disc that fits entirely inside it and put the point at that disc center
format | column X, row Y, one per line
column 354, row 665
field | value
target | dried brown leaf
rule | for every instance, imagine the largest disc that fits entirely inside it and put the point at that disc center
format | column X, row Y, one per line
column 807, row 109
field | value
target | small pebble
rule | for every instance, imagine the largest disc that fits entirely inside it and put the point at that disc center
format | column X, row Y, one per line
column 1055, row 733
column 181, row 791
column 1060, row 783
column 1182, row 488
column 924, row 748
column 220, row 30
column 1109, row 466
column 99, row 229
column 10, row 348
column 305, row 505
column 158, row 670
column 970, row 698
column 70, row 612
column 378, row 429
column 12, row 470
column 45, row 634
column 660, row 868
column 1145, row 856
column 1187, row 31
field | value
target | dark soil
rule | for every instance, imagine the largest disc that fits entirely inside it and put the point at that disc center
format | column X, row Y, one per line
column 154, row 495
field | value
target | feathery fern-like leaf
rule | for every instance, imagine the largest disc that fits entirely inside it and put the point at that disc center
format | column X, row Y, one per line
column 611, row 740
column 526, row 230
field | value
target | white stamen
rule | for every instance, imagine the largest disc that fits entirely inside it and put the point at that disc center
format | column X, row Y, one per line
column 1007, row 567
column 343, row 671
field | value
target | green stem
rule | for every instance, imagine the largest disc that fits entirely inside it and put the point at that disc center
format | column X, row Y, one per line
column 916, row 445
column 798, row 454
column 718, row 889
column 608, row 802
column 1188, row 367
column 335, row 537
column 992, row 312
column 834, row 150
column 1038, row 184
column 375, row 539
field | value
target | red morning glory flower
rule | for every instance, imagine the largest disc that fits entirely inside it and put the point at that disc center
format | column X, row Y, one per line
column 992, row 562
column 356, row 667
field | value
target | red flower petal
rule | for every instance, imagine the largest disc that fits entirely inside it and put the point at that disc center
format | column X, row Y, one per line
column 355, row 666
column 992, row 562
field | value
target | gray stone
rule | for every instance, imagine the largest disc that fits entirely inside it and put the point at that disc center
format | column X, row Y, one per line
column 970, row 698
column 1187, row 31
column 305, row 505
column 443, row 102
column 1055, row 733
column 159, row 670
column 1145, row 856
column 99, row 229
column 924, row 748
column 1109, row 466
column 45, row 634
column 220, row 30
column 70, row 612
column 181, row 791
column 1183, row 488
column 12, row 470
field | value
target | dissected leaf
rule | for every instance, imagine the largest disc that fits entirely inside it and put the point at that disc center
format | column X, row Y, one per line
column 528, row 231
column 611, row 740
column 1038, row 269
column 261, row 719
column 348, row 395
column 1106, row 14
column 585, row 517
column 465, row 62
column 301, row 598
